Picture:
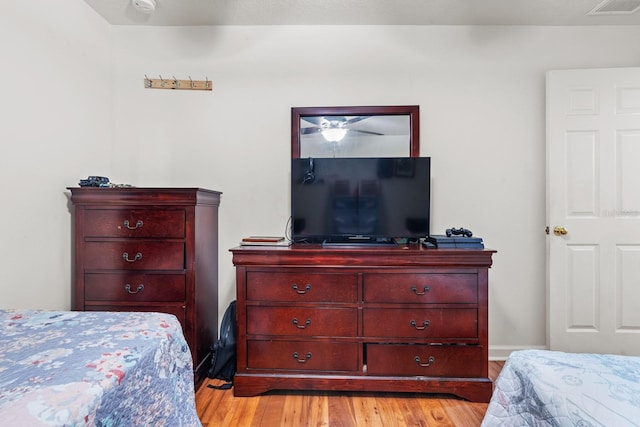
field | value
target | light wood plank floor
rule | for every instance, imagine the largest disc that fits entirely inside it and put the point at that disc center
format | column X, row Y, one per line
column 220, row 408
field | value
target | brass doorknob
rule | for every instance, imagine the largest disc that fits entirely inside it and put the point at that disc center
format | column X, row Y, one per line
column 560, row 231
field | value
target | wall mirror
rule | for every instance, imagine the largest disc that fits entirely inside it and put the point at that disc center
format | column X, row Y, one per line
column 381, row 131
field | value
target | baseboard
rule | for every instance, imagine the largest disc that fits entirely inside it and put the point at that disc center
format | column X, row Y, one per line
column 501, row 352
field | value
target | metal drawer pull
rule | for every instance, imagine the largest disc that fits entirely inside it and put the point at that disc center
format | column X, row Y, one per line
column 127, row 288
column 138, row 224
column 306, row 323
column 415, row 325
column 125, row 256
column 301, row 292
column 430, row 361
column 415, row 290
column 297, row 357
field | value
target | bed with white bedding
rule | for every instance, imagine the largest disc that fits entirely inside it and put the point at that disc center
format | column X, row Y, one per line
column 549, row 388
column 66, row 368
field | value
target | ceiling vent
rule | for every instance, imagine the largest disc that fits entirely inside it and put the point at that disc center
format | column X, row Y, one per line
column 146, row 6
column 615, row 7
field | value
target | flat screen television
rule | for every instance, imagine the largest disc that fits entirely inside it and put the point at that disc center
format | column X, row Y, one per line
column 360, row 200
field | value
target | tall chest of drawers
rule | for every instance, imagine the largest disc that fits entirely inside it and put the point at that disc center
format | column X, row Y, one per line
column 150, row 249
column 400, row 319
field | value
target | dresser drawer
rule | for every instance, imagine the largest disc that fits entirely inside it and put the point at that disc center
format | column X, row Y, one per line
column 134, row 287
column 421, row 323
column 421, row 288
column 134, row 255
column 302, row 355
column 424, row 360
column 178, row 311
column 302, row 321
column 134, row 223
column 301, row 287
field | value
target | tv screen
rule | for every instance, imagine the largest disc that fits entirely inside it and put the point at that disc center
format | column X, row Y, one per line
column 360, row 200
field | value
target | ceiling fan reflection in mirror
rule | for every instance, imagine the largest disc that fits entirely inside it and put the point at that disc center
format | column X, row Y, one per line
column 334, row 128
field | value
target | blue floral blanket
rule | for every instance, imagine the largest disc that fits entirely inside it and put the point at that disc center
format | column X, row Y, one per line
column 66, row 368
column 549, row 388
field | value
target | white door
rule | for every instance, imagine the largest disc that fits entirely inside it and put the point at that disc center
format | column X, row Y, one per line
column 593, row 195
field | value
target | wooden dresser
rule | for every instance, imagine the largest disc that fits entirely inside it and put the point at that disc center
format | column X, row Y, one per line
column 400, row 319
column 150, row 249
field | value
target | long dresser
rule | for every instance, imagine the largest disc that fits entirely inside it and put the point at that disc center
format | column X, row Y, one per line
column 399, row 319
column 150, row 249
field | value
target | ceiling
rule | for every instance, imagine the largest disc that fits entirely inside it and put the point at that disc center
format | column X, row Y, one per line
column 368, row 12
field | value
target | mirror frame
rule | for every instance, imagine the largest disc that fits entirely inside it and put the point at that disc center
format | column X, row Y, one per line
column 413, row 111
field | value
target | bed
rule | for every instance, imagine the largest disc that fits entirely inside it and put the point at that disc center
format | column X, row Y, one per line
column 549, row 388
column 66, row 368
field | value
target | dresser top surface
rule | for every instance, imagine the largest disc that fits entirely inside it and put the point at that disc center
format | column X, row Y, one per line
column 399, row 255
column 143, row 195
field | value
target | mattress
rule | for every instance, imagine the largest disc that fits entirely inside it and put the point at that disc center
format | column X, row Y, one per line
column 549, row 388
column 64, row 368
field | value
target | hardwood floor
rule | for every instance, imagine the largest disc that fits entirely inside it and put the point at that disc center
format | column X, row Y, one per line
column 220, row 408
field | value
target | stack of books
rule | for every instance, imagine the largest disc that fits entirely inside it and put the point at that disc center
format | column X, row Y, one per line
column 265, row 241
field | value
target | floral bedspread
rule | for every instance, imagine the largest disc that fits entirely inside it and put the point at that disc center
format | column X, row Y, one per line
column 66, row 368
column 549, row 388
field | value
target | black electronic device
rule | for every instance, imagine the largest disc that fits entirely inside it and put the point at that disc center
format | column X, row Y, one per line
column 458, row 232
column 454, row 238
column 309, row 175
column 94, row 181
column 360, row 200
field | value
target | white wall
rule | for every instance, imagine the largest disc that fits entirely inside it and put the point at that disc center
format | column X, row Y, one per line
column 55, row 127
column 481, row 95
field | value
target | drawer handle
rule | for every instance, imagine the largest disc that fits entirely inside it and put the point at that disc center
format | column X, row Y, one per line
column 296, row 356
column 301, row 292
column 127, row 288
column 420, row 328
column 430, row 361
column 125, row 256
column 138, row 224
column 415, row 290
column 306, row 323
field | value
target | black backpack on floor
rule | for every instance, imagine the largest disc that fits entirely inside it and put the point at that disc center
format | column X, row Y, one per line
column 223, row 360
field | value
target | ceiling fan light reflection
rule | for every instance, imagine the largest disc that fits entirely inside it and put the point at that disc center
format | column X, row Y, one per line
column 334, row 134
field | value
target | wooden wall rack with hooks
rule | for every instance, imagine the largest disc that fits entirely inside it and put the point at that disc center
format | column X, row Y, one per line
column 173, row 83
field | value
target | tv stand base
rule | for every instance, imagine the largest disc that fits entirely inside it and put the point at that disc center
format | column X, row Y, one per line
column 359, row 241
